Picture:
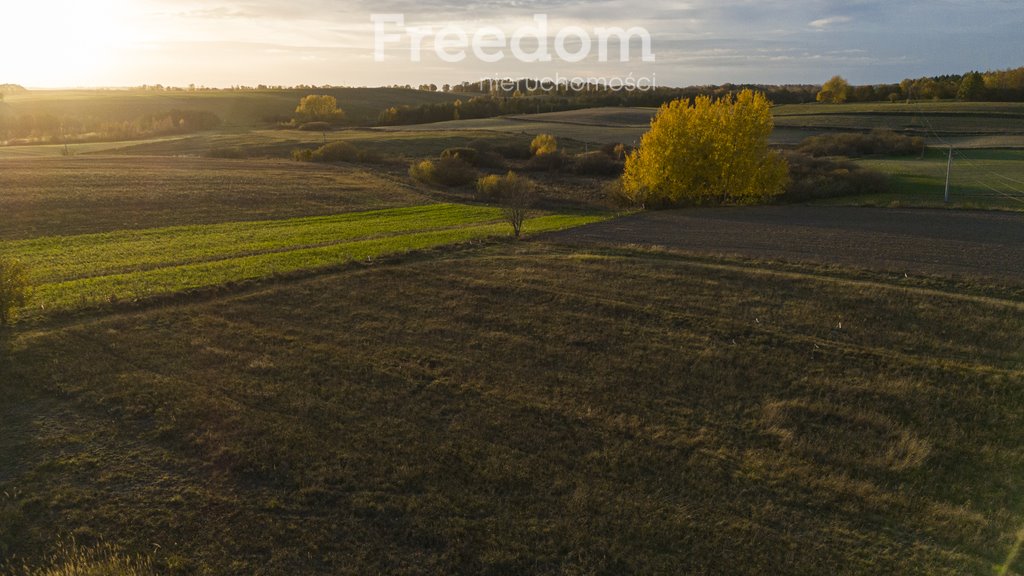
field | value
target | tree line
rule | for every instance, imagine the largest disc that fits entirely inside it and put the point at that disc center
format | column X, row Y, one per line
column 50, row 129
column 525, row 96
column 991, row 86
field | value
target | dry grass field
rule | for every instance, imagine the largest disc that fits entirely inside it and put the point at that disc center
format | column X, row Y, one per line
column 528, row 408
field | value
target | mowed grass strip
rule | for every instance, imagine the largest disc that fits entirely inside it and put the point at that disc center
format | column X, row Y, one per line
column 188, row 258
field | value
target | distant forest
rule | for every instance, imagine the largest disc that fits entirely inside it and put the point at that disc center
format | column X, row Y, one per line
column 524, row 96
column 484, row 99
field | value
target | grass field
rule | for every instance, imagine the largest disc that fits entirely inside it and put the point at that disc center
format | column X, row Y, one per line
column 528, row 409
column 978, row 179
column 74, row 271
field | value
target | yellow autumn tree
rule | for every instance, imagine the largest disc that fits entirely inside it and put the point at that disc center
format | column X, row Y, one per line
column 835, row 91
column 319, row 108
column 707, row 152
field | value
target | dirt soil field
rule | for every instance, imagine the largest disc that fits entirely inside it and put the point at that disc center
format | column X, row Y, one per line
column 987, row 244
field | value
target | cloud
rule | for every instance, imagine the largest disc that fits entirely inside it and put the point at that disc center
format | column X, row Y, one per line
column 223, row 42
column 823, row 23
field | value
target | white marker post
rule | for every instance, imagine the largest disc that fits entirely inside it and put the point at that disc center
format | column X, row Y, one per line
column 949, row 168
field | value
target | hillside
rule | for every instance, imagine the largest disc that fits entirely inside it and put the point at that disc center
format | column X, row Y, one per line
column 238, row 109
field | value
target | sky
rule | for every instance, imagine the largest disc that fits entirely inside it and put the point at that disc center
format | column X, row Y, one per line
column 120, row 43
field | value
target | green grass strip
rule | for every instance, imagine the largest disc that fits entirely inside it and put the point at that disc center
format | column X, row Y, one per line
column 57, row 259
column 85, row 291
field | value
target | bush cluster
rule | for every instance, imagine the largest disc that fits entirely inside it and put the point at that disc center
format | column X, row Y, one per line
column 335, row 152
column 479, row 153
column 450, row 171
column 814, row 178
column 497, row 188
column 877, row 142
column 543, row 144
column 548, row 162
column 597, row 163
column 467, row 155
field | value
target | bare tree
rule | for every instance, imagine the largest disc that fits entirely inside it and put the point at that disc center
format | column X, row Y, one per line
column 517, row 197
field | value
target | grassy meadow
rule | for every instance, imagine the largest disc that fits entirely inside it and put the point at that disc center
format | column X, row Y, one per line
column 979, row 179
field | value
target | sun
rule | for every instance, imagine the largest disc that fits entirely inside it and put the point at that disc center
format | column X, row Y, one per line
column 58, row 43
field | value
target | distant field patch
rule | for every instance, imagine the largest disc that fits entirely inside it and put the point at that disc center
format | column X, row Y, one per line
column 979, row 179
column 90, row 194
column 68, row 271
column 967, row 124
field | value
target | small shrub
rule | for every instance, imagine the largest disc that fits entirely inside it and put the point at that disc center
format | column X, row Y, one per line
column 302, row 155
column 315, row 127
column 14, row 288
column 449, row 172
column 617, row 151
column 596, row 164
column 332, row 152
column 468, row 155
column 489, row 187
column 877, row 142
column 546, row 162
column 544, row 144
column 336, row 152
column 423, row 171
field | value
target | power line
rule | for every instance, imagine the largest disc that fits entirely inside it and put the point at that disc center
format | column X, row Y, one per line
column 1000, row 192
column 959, row 153
column 990, row 171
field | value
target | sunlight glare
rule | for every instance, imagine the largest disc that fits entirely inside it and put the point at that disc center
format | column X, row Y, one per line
column 57, row 43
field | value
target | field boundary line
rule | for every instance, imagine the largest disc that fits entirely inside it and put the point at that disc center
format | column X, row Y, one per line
column 702, row 261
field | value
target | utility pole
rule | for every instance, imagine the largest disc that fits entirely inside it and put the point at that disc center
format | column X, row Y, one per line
column 949, row 168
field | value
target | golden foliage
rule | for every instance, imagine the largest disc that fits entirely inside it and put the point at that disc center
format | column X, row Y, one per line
column 544, row 144
column 710, row 152
column 319, row 108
